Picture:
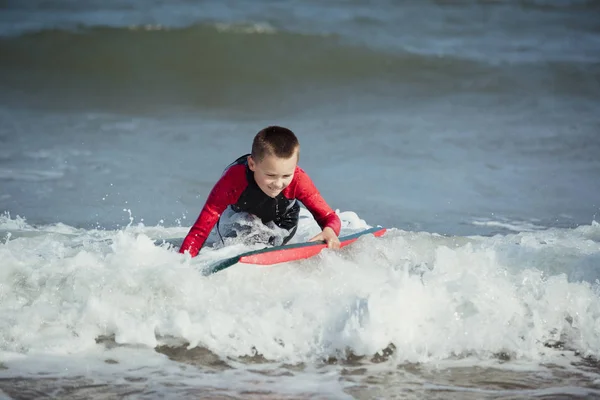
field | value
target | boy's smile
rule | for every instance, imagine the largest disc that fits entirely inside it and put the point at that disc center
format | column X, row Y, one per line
column 273, row 174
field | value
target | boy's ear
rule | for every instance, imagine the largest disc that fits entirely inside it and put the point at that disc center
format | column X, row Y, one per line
column 251, row 163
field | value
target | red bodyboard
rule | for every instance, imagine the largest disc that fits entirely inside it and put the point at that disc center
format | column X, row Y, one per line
column 290, row 252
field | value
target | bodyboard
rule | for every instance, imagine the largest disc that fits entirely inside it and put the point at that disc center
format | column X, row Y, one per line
column 289, row 252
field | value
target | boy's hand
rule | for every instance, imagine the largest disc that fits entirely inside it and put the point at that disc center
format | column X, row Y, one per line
column 329, row 236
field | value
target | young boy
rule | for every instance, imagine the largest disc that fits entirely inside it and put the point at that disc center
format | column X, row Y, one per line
column 266, row 184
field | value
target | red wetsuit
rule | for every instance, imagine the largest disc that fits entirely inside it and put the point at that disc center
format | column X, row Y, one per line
column 238, row 189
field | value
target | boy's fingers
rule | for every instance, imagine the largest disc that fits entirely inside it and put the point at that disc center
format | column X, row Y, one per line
column 333, row 243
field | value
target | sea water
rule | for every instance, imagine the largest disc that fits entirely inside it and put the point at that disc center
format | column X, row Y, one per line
column 469, row 129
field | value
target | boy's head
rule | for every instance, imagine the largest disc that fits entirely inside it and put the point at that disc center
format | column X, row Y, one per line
column 275, row 141
column 274, row 157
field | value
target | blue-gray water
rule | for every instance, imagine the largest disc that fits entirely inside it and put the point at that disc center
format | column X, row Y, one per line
column 478, row 121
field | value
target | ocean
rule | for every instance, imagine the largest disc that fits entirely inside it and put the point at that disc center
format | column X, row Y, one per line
column 469, row 129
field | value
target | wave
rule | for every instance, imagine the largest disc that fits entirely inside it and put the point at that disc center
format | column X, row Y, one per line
column 217, row 65
column 431, row 297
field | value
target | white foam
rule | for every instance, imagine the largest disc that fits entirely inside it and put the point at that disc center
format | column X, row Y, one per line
column 253, row 28
column 8, row 223
column 514, row 226
column 435, row 298
column 429, row 295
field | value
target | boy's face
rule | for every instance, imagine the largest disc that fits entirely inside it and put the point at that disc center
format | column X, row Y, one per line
column 273, row 174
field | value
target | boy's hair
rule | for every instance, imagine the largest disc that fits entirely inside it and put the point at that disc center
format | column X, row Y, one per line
column 274, row 140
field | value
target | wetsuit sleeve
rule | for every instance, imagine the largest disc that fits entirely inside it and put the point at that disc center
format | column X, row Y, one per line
column 225, row 192
column 308, row 194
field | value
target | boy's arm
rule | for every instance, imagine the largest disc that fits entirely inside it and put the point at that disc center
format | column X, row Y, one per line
column 308, row 194
column 225, row 192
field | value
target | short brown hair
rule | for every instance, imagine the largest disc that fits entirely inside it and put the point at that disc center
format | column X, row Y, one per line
column 274, row 140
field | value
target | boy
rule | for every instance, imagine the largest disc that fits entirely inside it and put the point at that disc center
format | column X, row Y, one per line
column 266, row 184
